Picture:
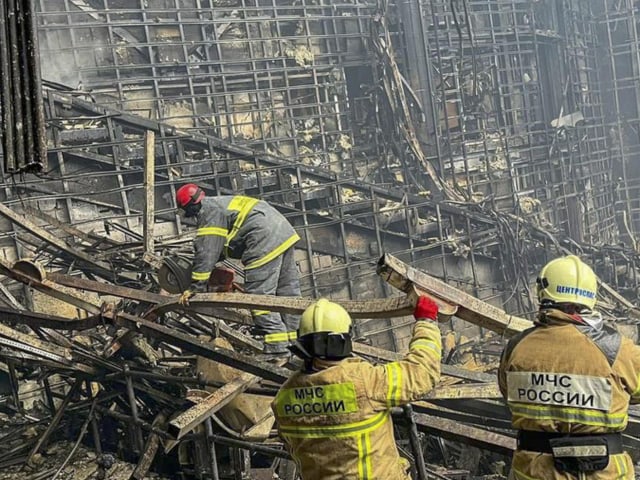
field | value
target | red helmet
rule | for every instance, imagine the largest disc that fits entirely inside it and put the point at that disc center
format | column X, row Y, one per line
column 189, row 194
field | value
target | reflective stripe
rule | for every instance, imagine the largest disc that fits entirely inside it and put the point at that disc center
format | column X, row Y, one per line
column 570, row 415
column 519, row 474
column 199, row 276
column 424, row 344
column 621, row 465
column 219, row 231
column 274, row 253
column 394, row 381
column 330, row 399
column 242, row 205
column 293, row 335
column 276, row 337
column 345, row 430
column 365, row 471
column 580, row 451
column 256, row 313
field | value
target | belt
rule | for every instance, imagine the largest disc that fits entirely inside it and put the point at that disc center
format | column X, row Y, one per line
column 539, row 441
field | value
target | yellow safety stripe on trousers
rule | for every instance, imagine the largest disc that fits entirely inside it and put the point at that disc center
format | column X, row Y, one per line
column 256, row 313
column 345, row 430
column 519, row 475
column 365, row 470
column 569, row 415
column 199, row 276
column 276, row 337
column 394, row 383
column 284, row 246
column 243, row 205
column 621, row 465
column 361, row 430
column 293, row 335
column 424, row 344
column 219, row 231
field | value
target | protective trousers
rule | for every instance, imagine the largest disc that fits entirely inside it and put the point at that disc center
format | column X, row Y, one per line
column 278, row 277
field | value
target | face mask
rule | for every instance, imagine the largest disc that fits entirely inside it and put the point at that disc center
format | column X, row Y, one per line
column 192, row 210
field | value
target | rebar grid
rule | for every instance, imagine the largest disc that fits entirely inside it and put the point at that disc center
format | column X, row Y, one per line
column 261, row 73
column 506, row 77
column 509, row 107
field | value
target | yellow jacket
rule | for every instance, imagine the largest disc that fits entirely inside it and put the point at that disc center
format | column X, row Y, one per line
column 563, row 377
column 336, row 419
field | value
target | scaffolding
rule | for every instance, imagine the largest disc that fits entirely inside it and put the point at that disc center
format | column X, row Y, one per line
column 267, row 74
column 458, row 135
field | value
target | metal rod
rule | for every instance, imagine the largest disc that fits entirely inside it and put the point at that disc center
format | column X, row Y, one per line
column 414, row 439
column 13, row 382
column 95, row 430
column 7, row 99
column 16, row 89
column 49, row 395
column 42, row 441
column 137, row 432
column 212, row 449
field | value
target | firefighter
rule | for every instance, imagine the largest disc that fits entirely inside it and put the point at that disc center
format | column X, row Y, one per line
column 235, row 226
column 568, row 382
column 334, row 414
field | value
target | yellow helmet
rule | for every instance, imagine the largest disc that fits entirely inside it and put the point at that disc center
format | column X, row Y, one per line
column 568, row 280
column 325, row 330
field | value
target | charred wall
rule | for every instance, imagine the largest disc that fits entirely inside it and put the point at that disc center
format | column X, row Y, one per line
column 475, row 138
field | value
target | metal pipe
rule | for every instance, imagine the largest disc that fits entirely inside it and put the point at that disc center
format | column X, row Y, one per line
column 16, row 92
column 251, row 447
column 37, row 105
column 95, row 430
column 212, row 449
column 13, row 382
column 49, row 395
column 137, row 432
column 5, row 92
column 414, row 440
column 25, row 86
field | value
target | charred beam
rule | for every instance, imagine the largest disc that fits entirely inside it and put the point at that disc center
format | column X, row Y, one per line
column 471, row 309
column 191, row 418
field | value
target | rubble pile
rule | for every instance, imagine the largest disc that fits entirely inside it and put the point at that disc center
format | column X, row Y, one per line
column 113, row 378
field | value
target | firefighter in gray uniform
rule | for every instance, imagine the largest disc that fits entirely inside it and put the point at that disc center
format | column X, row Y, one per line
column 235, row 226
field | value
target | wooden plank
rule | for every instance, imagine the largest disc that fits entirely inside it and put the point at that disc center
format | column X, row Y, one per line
column 471, row 309
column 191, row 418
column 206, row 303
column 477, row 390
column 149, row 186
column 203, row 303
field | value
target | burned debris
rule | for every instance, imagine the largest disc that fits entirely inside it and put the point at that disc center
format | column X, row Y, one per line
column 449, row 147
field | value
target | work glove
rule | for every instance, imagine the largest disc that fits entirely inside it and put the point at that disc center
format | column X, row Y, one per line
column 184, row 298
column 426, row 309
column 221, row 280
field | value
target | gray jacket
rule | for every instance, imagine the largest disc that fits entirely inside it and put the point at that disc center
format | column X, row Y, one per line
column 236, row 226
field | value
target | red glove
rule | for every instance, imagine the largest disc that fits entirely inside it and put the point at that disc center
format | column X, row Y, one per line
column 221, row 280
column 426, row 309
